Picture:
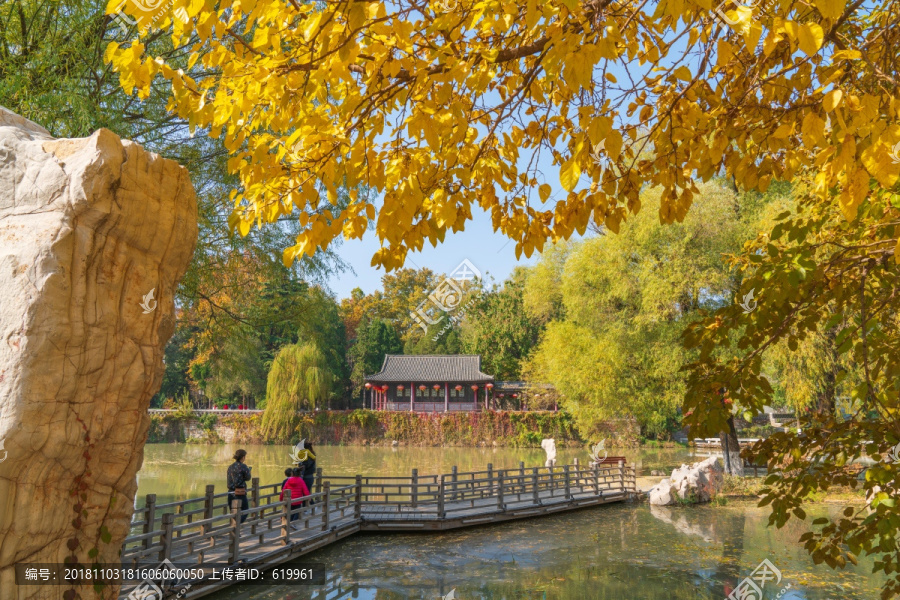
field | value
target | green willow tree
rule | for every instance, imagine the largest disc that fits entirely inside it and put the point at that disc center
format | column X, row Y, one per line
column 624, row 301
column 300, row 379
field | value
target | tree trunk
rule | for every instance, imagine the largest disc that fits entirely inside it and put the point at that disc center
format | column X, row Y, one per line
column 95, row 234
column 731, row 450
column 826, row 400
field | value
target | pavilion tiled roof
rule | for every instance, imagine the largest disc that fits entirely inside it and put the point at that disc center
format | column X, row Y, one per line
column 403, row 368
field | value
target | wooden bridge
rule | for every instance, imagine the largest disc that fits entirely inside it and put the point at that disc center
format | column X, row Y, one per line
column 203, row 531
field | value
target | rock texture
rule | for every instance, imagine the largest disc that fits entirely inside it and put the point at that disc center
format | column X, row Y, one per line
column 695, row 483
column 88, row 227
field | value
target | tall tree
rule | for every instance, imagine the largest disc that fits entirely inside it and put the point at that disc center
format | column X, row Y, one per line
column 818, row 275
column 498, row 328
column 626, row 298
column 375, row 339
column 300, row 379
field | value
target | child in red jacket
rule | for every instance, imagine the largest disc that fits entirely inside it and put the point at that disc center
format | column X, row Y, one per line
column 298, row 490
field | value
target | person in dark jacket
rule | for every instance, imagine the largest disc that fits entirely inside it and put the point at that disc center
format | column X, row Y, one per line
column 238, row 475
column 309, row 466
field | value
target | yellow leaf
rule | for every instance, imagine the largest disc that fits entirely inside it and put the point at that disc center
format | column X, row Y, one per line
column 855, row 191
column 357, row 16
column 752, row 35
column 831, row 9
column 683, row 73
column 544, row 192
column 569, row 174
column 832, row 100
column 783, row 131
column 813, row 129
column 810, row 37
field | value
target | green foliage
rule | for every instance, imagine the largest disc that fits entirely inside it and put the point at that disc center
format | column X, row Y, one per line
column 374, row 339
column 499, row 329
column 184, row 408
column 300, row 378
column 613, row 347
column 207, row 421
column 818, row 276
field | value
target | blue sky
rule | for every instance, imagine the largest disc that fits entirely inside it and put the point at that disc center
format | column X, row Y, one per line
column 492, row 253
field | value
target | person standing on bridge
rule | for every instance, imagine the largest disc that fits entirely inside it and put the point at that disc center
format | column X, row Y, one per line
column 298, row 491
column 309, row 465
column 238, row 475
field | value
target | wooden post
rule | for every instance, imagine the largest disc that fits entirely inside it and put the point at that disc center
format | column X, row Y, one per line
column 327, row 489
column 490, row 474
column 286, row 519
column 577, row 471
column 440, row 499
column 522, row 475
column 236, row 531
column 568, row 483
column 168, row 521
column 318, row 480
column 150, row 517
column 208, row 502
column 414, row 487
column 357, row 511
column 500, row 491
column 534, row 485
column 453, row 478
column 622, row 473
column 596, row 479
column 254, row 492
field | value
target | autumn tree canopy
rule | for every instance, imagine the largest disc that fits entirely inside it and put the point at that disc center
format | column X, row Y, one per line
column 425, row 112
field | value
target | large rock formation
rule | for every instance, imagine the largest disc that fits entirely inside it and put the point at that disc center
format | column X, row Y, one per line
column 698, row 482
column 88, row 228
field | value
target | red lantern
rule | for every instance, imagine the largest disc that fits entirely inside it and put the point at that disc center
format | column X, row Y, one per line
column 422, row 387
column 490, row 386
column 458, row 388
column 400, row 388
column 515, row 395
column 368, row 385
column 501, row 394
column 475, row 387
column 436, row 386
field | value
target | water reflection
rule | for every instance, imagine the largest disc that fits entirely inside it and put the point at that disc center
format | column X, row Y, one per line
column 608, row 553
column 615, row 552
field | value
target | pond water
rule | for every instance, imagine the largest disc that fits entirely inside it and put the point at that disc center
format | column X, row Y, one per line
column 614, row 552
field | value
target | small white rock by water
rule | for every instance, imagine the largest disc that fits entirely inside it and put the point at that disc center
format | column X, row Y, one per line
column 697, row 482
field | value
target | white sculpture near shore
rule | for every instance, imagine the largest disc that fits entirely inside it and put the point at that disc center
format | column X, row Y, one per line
column 698, row 483
column 598, row 453
column 549, row 446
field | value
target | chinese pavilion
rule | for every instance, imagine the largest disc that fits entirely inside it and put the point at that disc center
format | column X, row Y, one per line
column 430, row 383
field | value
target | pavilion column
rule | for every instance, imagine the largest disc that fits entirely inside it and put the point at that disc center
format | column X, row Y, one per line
column 446, row 396
column 412, row 397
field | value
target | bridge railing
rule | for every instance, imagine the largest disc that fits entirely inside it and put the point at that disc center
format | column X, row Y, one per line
column 193, row 541
column 195, row 529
